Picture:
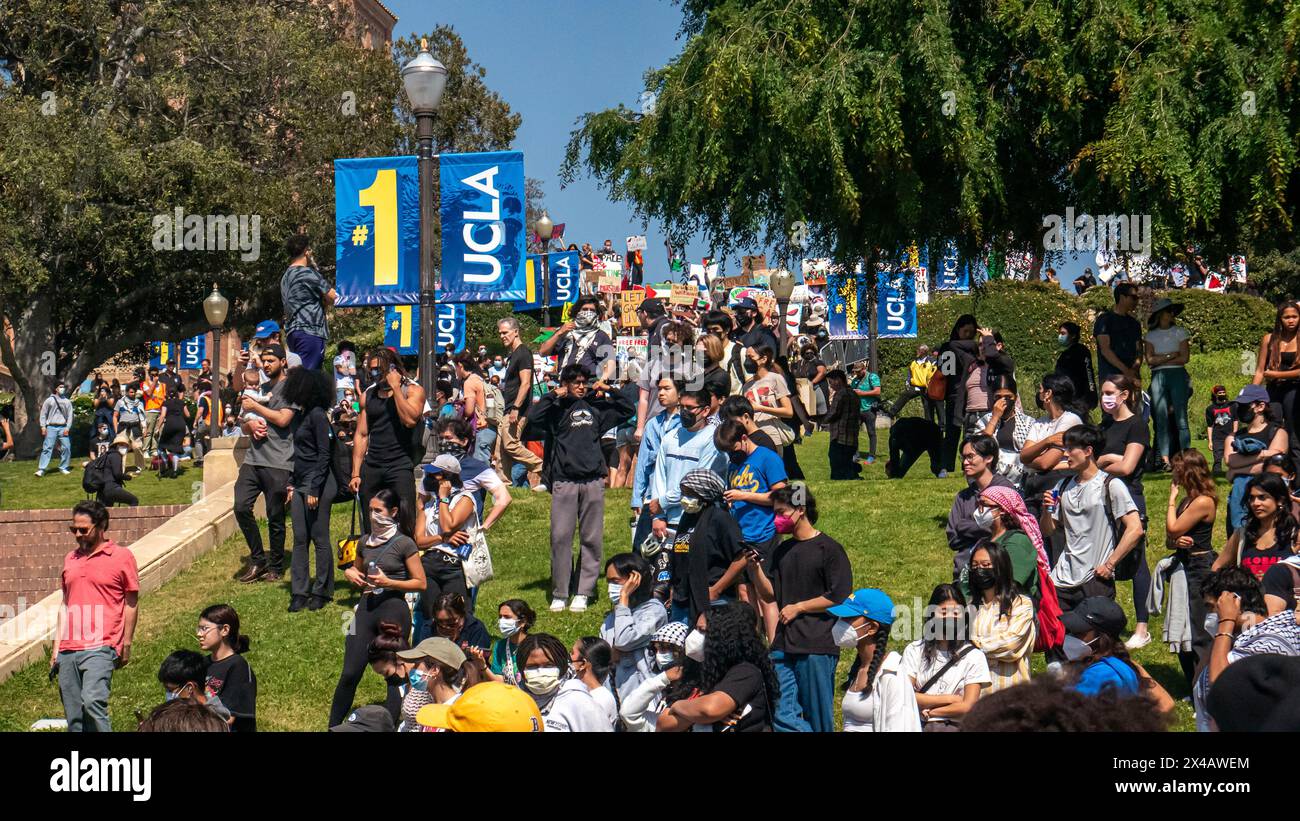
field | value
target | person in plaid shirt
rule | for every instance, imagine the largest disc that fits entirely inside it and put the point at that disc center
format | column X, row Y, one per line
column 843, row 421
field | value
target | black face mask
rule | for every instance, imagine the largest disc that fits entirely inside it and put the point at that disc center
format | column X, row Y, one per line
column 982, row 578
column 690, row 417
column 737, row 457
column 454, row 449
column 751, row 366
column 374, row 374
column 743, row 318
column 1038, row 400
column 1245, row 414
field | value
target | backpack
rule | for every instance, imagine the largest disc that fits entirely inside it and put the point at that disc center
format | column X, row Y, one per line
column 1047, row 609
column 1127, row 566
column 494, row 402
column 92, row 479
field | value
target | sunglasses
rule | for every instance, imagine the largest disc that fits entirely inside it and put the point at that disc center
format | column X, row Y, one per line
column 80, row 531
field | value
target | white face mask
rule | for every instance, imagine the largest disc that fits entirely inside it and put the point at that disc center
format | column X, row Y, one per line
column 691, row 505
column 122, row 449
column 542, row 681
column 508, row 627
column 665, row 660
column 1212, row 623
column 695, row 646
column 844, row 634
column 615, row 592
column 1076, row 648
column 983, row 518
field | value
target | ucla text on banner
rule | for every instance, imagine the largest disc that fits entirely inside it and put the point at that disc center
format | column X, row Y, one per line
column 951, row 274
column 564, row 271
column 483, row 226
column 896, row 309
column 402, row 328
column 192, row 352
column 377, row 231
column 848, row 301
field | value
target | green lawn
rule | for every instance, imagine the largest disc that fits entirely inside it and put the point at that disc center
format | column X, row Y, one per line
column 20, row 489
column 892, row 530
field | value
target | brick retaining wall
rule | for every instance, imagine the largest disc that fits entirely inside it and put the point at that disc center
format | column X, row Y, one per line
column 34, row 542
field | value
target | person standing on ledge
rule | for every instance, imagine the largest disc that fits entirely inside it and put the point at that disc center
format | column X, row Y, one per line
column 305, row 294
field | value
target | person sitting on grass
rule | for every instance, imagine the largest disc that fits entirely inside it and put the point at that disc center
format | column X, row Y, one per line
column 947, row 671
column 183, row 675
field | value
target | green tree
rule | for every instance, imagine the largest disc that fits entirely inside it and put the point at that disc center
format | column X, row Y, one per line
column 123, row 111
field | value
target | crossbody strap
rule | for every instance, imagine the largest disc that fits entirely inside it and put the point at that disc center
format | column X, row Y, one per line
column 952, row 661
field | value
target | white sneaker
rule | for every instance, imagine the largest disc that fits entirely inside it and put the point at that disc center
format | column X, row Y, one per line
column 1138, row 640
column 557, row 605
column 578, row 605
column 539, row 488
column 64, row 471
column 40, row 473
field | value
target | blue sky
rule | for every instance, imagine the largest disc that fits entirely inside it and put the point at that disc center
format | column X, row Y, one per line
column 553, row 62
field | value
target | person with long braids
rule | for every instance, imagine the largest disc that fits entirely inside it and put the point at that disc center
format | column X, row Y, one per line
column 566, row 704
column 1270, row 532
column 880, row 697
column 386, row 569
column 1258, row 438
column 1278, row 368
column 945, row 669
column 1003, row 624
column 1189, row 526
column 738, row 687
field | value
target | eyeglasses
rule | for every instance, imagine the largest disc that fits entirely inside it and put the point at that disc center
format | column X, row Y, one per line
column 984, row 566
column 203, row 630
column 80, row 531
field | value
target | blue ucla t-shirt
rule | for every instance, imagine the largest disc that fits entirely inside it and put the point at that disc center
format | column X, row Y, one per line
column 759, row 472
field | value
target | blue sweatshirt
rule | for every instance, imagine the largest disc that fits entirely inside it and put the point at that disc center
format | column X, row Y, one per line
column 680, row 452
column 662, row 423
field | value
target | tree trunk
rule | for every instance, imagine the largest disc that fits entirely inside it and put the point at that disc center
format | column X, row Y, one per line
column 31, row 360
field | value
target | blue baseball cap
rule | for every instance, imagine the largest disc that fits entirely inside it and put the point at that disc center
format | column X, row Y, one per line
column 1251, row 394
column 745, row 302
column 265, row 328
column 869, row 602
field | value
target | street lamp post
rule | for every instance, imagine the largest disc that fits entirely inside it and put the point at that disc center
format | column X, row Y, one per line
column 545, row 229
column 424, row 79
column 215, row 308
column 782, row 285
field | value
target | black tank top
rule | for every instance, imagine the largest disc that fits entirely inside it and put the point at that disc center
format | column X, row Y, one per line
column 1200, row 533
column 390, row 442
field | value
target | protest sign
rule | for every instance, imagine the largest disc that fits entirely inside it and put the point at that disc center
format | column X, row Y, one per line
column 628, row 302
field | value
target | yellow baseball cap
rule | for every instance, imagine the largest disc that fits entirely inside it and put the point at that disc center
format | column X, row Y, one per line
column 490, row 707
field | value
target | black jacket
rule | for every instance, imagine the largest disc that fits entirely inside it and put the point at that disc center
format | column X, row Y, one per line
column 1075, row 363
column 571, row 429
column 312, row 450
column 967, row 352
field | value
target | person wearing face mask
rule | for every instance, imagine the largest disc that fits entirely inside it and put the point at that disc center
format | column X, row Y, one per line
column 1258, row 437
column 385, row 446
column 809, row 369
column 56, row 422
column 1003, row 625
column 668, row 391
column 636, row 616
column 946, row 670
column 100, row 443
column 1002, row 511
column 437, row 673
column 754, row 474
column 880, row 697
column 689, row 447
column 1043, row 454
column 567, row 704
column 449, row 518
column 514, row 619
column 1075, row 363
column 1009, row 426
column 572, row 420
column 979, row 455
column 182, row 675
column 767, row 391
column 677, row 677
column 707, row 555
column 1099, row 660
column 738, row 689
column 804, row 577
column 387, row 567
column 591, row 660
column 580, row 341
column 109, row 473
column 749, row 331
column 1220, row 417
column 477, row 477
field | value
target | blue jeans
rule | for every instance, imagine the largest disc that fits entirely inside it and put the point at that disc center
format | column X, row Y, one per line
column 84, row 680
column 807, row 701
column 309, row 347
column 53, row 432
column 1237, row 503
column 1169, row 387
column 484, row 441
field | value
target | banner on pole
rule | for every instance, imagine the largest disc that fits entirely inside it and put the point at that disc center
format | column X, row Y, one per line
column 377, row 231
column 532, row 286
column 160, row 353
column 951, row 274
column 848, row 301
column 564, row 269
column 896, row 309
column 193, row 351
column 483, row 235
column 402, row 327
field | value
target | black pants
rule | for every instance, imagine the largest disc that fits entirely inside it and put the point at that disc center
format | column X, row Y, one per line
column 1142, row 574
column 311, row 534
column 1197, row 569
column 952, row 435
column 1071, row 597
column 844, row 461
column 869, row 420
column 399, row 478
column 903, row 454
column 444, row 574
column 930, row 409
column 373, row 609
column 1286, row 395
column 112, row 494
column 791, row 461
column 273, row 484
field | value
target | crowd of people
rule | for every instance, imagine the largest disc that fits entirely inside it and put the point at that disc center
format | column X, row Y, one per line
column 730, row 608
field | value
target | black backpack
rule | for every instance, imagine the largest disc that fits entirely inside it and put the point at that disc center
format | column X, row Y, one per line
column 92, row 480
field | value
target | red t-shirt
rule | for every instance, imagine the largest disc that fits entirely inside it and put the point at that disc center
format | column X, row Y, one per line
column 94, row 595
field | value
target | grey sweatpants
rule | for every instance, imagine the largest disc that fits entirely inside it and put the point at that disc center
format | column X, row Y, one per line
column 580, row 505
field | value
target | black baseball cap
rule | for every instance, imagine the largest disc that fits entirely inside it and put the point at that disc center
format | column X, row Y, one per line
column 745, row 303
column 1095, row 613
column 373, row 718
column 652, row 307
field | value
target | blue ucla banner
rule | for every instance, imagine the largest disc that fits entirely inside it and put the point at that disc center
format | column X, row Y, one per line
column 848, row 301
column 402, row 328
column 193, row 352
column 483, row 226
column 951, row 273
column 161, row 353
column 532, row 285
column 564, row 268
column 896, row 309
column 377, row 231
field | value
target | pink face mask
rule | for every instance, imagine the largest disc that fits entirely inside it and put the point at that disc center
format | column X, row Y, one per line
column 1109, row 402
column 784, row 524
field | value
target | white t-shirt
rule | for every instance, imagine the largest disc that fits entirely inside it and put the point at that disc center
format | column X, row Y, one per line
column 605, row 700
column 342, row 364
column 889, row 708
column 573, row 709
column 973, row 668
column 1044, row 426
column 1166, row 341
column 1089, row 538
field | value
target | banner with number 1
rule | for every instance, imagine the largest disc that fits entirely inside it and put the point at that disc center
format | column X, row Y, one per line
column 377, row 231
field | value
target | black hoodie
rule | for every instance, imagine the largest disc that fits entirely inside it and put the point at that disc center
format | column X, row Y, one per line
column 572, row 429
